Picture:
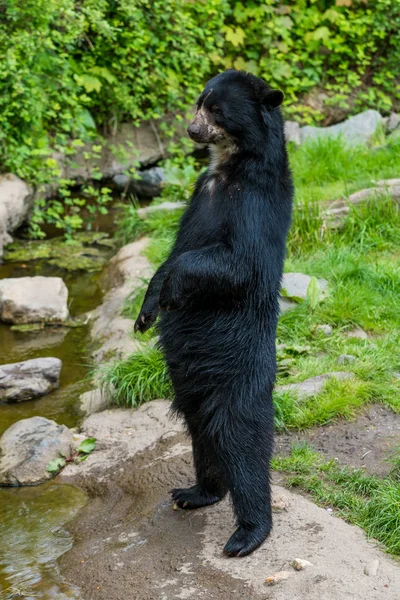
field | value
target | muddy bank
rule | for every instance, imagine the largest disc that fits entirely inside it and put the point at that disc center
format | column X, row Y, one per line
column 130, row 543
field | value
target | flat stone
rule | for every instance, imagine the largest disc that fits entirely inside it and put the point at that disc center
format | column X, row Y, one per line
column 292, row 132
column 295, row 285
column 314, row 385
column 33, row 299
column 27, row 447
column 355, row 130
column 142, row 213
column 29, row 379
column 121, row 433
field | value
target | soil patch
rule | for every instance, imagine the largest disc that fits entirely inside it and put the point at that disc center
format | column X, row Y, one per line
column 368, row 441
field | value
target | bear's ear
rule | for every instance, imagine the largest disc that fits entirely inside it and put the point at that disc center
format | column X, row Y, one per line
column 273, row 99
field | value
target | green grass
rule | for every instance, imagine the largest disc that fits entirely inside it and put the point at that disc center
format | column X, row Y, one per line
column 368, row 501
column 139, row 378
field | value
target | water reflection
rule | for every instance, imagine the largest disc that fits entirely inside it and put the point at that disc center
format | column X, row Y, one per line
column 33, row 536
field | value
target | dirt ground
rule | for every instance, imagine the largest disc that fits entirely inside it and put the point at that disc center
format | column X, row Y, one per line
column 130, row 544
column 368, row 441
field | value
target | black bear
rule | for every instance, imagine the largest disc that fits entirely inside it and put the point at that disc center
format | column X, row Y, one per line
column 218, row 296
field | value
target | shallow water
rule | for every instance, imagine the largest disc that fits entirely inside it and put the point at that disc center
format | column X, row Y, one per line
column 68, row 344
column 32, row 519
column 33, row 536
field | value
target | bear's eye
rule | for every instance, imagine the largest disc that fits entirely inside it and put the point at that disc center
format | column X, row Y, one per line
column 216, row 110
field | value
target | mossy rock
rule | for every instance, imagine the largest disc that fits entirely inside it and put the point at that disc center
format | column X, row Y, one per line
column 78, row 254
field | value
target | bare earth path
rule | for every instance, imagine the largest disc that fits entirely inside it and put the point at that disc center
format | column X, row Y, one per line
column 130, row 544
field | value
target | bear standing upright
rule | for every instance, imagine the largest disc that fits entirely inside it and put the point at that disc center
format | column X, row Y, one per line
column 218, row 295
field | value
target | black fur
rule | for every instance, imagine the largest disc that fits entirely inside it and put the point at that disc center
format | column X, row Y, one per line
column 218, row 292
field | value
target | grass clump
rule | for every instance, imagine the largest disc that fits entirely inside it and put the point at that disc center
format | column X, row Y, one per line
column 368, row 501
column 139, row 378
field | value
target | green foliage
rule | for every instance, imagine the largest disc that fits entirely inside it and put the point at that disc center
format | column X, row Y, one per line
column 139, row 378
column 87, row 446
column 71, row 69
column 365, row 500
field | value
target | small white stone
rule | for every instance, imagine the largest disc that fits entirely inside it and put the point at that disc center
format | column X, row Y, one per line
column 279, row 503
column 300, row 563
column 357, row 333
column 372, row 568
column 280, row 576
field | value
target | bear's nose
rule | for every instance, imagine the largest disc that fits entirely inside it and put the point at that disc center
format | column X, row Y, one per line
column 193, row 129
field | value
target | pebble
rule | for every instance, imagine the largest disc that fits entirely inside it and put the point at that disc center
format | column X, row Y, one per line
column 279, row 503
column 325, row 329
column 346, row 358
column 280, row 576
column 300, row 563
column 372, row 568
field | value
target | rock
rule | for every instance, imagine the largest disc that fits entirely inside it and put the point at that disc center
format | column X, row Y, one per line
column 393, row 122
column 128, row 271
column 372, row 568
column 148, row 184
column 357, row 333
column 300, row 563
column 27, row 447
column 164, row 206
column 355, row 130
column 278, row 577
column 121, row 433
column 16, row 200
column 312, row 386
column 292, row 132
column 324, row 329
column 93, row 401
column 336, row 210
column 294, row 289
column 346, row 358
column 29, row 379
column 33, row 299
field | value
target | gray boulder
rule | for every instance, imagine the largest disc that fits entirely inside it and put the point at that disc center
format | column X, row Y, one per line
column 15, row 203
column 355, row 130
column 94, row 401
column 292, row 132
column 147, row 185
column 27, row 447
column 393, row 122
column 29, row 379
column 314, row 385
column 33, row 300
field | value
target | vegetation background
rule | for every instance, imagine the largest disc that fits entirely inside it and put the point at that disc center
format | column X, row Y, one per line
column 70, row 69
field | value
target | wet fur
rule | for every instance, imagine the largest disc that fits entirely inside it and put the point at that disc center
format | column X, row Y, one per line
column 218, row 292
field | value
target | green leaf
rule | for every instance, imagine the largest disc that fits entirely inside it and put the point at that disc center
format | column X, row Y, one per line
column 313, row 293
column 234, row 36
column 87, row 445
column 56, row 465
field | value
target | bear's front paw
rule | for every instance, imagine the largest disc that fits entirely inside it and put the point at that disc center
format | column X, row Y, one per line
column 171, row 297
column 146, row 319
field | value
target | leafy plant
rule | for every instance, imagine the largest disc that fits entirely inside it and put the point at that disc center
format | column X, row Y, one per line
column 82, row 452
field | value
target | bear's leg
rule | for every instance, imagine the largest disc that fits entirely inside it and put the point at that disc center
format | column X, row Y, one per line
column 245, row 453
column 210, row 487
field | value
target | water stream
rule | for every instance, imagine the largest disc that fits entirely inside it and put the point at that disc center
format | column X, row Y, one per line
column 32, row 519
